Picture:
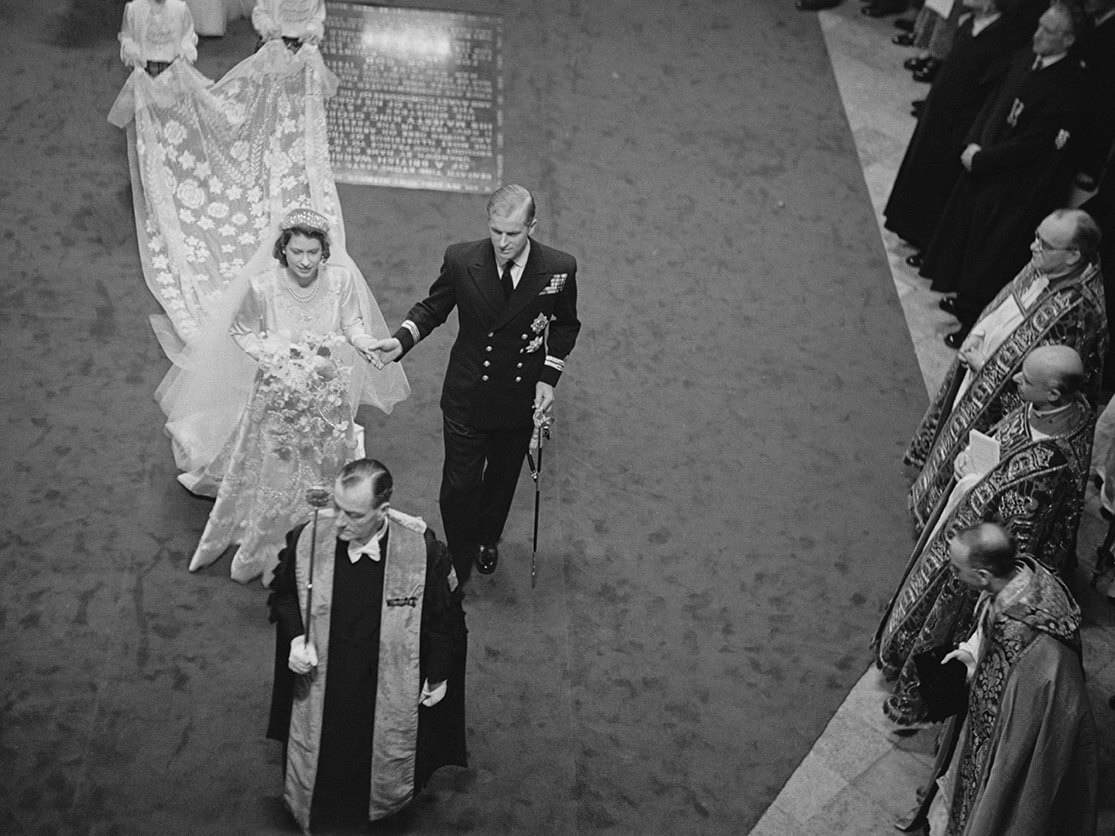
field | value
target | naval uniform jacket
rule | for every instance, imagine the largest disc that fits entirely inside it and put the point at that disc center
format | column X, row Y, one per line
column 505, row 345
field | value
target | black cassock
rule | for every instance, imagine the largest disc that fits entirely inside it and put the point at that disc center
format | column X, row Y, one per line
column 343, row 778
column 932, row 163
column 983, row 238
column 1097, row 50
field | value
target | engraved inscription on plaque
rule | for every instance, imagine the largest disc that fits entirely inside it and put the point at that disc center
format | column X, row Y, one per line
column 420, row 98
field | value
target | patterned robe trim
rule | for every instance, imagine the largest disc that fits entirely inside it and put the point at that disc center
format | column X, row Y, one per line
column 992, row 392
column 1044, row 607
column 396, row 712
column 1028, row 492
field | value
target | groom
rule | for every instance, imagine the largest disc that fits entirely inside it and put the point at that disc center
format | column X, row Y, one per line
column 516, row 303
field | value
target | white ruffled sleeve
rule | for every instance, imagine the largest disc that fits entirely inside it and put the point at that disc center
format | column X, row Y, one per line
column 352, row 320
column 130, row 52
column 264, row 22
column 315, row 29
column 187, row 46
column 244, row 325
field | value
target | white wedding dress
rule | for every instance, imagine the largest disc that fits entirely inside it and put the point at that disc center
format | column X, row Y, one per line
column 214, row 168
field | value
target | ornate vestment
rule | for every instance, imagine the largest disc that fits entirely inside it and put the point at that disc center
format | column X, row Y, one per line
column 1035, row 492
column 1027, row 760
column 1070, row 312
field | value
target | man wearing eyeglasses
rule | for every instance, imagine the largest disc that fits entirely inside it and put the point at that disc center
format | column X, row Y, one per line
column 1019, row 159
column 1058, row 298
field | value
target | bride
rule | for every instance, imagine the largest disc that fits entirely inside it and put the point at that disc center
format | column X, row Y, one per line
column 263, row 404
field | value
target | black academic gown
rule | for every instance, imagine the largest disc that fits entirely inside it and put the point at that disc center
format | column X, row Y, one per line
column 344, row 760
column 931, row 166
column 1018, row 177
column 1097, row 126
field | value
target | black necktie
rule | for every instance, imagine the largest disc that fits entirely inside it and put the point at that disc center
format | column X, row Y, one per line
column 505, row 279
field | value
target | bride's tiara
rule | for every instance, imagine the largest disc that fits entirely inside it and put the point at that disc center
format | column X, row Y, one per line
column 307, row 219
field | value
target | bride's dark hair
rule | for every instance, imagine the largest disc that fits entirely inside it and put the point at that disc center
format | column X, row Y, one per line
column 287, row 234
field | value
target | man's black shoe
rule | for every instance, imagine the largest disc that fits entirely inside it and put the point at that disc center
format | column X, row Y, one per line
column 486, row 559
column 956, row 338
column 882, row 8
column 816, row 5
column 914, row 260
column 928, row 71
column 948, row 305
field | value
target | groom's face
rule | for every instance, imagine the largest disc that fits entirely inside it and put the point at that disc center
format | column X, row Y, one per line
column 509, row 231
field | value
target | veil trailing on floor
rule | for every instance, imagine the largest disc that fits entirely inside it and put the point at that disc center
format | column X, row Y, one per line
column 215, row 167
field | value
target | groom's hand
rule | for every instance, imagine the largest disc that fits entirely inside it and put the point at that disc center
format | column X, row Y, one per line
column 388, row 350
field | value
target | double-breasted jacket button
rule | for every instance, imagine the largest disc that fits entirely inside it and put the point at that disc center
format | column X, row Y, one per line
column 518, row 379
column 526, row 336
column 518, row 365
column 487, row 348
column 484, row 377
column 487, row 363
column 491, row 334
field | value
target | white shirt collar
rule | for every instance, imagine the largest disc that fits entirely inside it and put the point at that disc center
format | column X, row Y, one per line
column 371, row 548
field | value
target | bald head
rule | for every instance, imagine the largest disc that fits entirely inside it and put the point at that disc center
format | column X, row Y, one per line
column 1074, row 230
column 986, row 550
column 1050, row 376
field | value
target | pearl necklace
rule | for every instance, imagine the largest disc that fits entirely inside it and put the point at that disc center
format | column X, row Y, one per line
column 306, row 298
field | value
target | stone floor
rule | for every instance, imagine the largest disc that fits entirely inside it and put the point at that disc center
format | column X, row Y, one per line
column 859, row 776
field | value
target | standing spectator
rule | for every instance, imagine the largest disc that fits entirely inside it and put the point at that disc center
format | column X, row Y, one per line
column 1016, row 166
column 1026, row 764
column 1056, row 299
column 1035, row 489
column 1097, row 51
column 931, row 167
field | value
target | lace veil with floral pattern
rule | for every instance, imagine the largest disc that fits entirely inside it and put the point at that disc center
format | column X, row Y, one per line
column 214, row 167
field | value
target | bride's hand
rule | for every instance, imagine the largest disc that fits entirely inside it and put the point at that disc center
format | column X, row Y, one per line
column 366, row 348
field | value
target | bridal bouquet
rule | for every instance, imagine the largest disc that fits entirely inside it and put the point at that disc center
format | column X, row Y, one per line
column 305, row 393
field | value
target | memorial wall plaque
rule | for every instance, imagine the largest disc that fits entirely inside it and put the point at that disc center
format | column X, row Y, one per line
column 420, row 101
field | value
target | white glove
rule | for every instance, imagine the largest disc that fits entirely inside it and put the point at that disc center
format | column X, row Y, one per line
column 431, row 696
column 303, row 656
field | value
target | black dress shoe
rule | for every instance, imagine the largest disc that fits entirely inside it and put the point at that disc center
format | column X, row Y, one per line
column 882, row 8
column 486, row 559
column 928, row 71
column 948, row 305
column 916, row 63
column 914, row 260
column 903, row 39
column 816, row 5
column 956, row 338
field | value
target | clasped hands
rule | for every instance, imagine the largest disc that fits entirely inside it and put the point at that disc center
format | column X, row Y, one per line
column 303, row 659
